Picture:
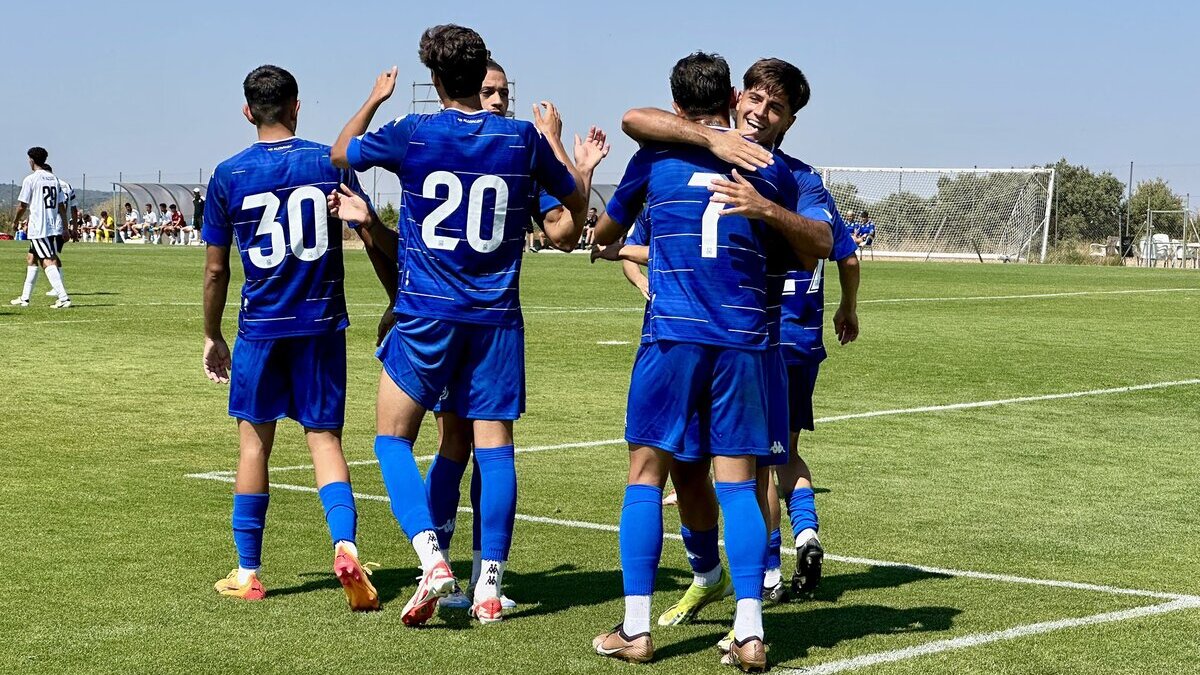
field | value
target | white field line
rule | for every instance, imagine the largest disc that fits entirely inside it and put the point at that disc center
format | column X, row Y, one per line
column 978, row 639
column 595, row 310
column 224, row 477
column 834, row 418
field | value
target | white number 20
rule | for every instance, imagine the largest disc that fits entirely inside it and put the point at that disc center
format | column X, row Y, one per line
column 474, row 211
column 708, row 223
column 269, row 226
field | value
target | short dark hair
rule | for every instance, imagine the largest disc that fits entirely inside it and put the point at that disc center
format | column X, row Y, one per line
column 269, row 90
column 39, row 155
column 173, row 206
column 457, row 56
column 492, row 65
column 162, row 204
column 777, row 76
column 700, row 84
column 866, row 215
column 128, row 205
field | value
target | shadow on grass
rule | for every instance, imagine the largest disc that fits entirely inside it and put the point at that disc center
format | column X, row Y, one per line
column 792, row 636
column 833, row 587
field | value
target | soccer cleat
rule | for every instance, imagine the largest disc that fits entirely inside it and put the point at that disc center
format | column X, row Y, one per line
column 725, row 643
column 777, row 594
column 695, row 599
column 355, row 580
column 436, row 583
column 19, row 302
column 672, row 499
column 809, row 557
column 487, row 611
column 251, row 590
column 617, row 645
column 749, row 656
column 62, row 303
column 507, row 603
column 456, row 600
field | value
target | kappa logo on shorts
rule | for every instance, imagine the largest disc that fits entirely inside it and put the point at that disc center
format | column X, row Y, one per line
column 777, row 448
column 445, row 394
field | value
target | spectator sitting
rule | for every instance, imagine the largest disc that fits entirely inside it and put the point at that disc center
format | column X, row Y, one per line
column 87, row 227
column 176, row 225
column 148, row 225
column 131, row 222
column 589, row 227
column 74, row 229
column 104, row 229
column 864, row 231
column 163, row 219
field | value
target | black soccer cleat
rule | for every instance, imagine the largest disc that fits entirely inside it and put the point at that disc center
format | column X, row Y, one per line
column 808, row 568
column 777, row 594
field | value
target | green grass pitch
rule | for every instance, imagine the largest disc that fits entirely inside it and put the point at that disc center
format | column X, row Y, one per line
column 113, row 543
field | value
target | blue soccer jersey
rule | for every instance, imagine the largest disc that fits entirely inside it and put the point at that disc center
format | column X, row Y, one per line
column 270, row 199
column 707, row 271
column 468, row 181
column 802, row 289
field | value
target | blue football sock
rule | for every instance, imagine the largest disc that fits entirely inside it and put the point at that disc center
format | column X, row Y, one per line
column 404, row 486
column 745, row 537
column 641, row 538
column 340, row 514
column 476, row 526
column 774, row 544
column 497, row 500
column 802, row 511
column 442, row 488
column 703, row 549
column 249, row 519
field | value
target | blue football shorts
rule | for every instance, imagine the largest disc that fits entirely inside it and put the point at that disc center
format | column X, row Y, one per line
column 719, row 390
column 474, row 371
column 302, row 377
column 801, row 381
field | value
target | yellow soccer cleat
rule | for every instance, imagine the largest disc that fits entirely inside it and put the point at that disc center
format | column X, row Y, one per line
column 695, row 599
column 251, row 590
column 355, row 580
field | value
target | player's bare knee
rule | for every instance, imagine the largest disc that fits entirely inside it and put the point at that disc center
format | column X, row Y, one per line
column 648, row 466
column 492, row 433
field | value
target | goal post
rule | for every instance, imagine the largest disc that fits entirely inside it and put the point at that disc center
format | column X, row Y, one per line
column 976, row 213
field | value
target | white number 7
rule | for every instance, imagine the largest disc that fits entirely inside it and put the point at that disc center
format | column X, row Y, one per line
column 708, row 223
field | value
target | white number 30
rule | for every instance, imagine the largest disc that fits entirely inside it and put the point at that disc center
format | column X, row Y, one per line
column 269, row 226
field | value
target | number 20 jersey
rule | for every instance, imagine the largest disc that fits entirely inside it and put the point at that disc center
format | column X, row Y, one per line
column 271, row 200
column 468, row 183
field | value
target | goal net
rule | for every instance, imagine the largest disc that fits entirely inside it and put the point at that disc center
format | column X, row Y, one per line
column 986, row 214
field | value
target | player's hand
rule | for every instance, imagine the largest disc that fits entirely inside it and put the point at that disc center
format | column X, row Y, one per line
column 385, row 324
column 643, row 285
column 845, row 324
column 611, row 252
column 549, row 123
column 217, row 360
column 591, row 151
column 741, row 196
column 385, row 84
column 346, row 205
column 739, row 151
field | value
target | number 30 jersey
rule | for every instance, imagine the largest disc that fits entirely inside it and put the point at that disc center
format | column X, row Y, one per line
column 707, row 271
column 271, row 200
column 468, row 181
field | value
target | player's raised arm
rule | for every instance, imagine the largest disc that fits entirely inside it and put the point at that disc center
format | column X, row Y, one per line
column 806, row 236
column 381, row 242
column 564, row 233
column 385, row 84
column 561, row 226
column 651, row 124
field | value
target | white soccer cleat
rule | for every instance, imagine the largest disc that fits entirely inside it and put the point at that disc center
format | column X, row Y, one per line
column 19, row 302
column 62, row 303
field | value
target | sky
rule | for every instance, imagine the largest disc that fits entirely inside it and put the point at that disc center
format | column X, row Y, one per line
column 144, row 87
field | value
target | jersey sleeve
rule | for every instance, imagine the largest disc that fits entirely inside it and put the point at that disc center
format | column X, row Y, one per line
column 26, row 196
column 385, row 147
column 812, row 199
column 218, row 226
column 843, row 244
column 545, row 202
column 630, row 196
column 639, row 234
column 552, row 175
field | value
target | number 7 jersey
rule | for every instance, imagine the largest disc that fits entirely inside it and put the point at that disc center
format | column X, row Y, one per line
column 468, row 182
column 271, row 200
